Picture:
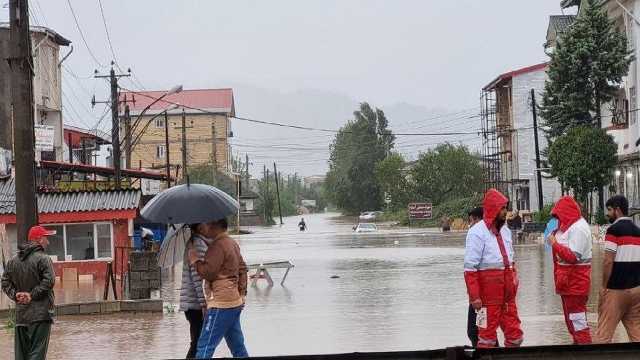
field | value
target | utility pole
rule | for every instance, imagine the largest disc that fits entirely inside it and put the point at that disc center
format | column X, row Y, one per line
column 166, row 150
column 214, row 155
column 537, row 148
column 127, row 135
column 275, row 175
column 21, row 80
column 115, row 123
column 264, row 193
column 247, row 177
column 184, row 145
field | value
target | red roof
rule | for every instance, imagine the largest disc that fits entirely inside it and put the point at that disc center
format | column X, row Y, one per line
column 510, row 75
column 76, row 135
column 214, row 100
column 100, row 170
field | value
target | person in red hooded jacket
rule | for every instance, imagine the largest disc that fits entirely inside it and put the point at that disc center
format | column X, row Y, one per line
column 490, row 274
column 571, row 245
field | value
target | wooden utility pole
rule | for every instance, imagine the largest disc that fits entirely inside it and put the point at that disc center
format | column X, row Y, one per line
column 247, row 186
column 275, row 175
column 166, row 150
column 21, row 80
column 537, row 148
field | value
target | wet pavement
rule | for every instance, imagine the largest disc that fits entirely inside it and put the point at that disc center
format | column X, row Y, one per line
column 395, row 290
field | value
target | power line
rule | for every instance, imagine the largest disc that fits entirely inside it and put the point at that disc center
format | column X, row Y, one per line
column 84, row 40
column 106, row 30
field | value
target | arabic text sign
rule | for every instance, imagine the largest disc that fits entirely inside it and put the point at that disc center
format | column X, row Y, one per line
column 422, row 211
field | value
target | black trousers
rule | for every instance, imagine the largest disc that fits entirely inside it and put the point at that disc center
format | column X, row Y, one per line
column 195, row 319
column 472, row 328
column 32, row 341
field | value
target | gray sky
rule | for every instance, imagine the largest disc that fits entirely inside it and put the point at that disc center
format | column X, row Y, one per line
column 305, row 62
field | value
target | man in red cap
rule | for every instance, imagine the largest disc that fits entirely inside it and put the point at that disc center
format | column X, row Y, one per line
column 572, row 266
column 490, row 274
column 28, row 280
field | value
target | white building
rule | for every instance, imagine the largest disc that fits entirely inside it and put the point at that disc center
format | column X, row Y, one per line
column 621, row 116
column 47, row 87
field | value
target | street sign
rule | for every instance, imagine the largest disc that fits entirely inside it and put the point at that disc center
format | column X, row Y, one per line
column 44, row 137
column 150, row 187
column 420, row 211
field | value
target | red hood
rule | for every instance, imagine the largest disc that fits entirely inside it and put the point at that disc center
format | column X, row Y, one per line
column 493, row 202
column 567, row 211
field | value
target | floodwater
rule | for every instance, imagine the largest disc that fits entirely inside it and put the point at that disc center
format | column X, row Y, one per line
column 395, row 290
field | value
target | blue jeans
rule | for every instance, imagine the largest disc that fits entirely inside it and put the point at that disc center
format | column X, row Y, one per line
column 219, row 324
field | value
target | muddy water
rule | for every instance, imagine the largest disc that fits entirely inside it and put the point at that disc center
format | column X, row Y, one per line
column 395, row 290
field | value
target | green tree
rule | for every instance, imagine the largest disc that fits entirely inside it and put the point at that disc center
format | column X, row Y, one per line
column 391, row 177
column 586, row 69
column 446, row 173
column 356, row 149
column 583, row 160
column 204, row 174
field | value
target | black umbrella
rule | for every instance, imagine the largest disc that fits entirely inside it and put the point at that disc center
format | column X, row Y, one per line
column 189, row 204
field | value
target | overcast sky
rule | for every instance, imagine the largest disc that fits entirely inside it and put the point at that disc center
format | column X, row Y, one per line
column 416, row 54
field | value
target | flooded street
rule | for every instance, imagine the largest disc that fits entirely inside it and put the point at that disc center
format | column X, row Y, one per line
column 396, row 290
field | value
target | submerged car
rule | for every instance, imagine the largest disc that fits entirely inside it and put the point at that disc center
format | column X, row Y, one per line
column 365, row 228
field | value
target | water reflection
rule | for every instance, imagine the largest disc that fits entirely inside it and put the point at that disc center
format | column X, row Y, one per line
column 395, row 290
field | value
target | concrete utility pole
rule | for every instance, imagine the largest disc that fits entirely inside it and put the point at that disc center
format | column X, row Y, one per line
column 21, row 80
column 166, row 150
column 115, row 123
column 127, row 135
column 184, row 145
column 537, row 148
column 275, row 175
column 214, row 152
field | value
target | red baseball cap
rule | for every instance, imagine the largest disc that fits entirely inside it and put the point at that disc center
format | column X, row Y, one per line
column 38, row 231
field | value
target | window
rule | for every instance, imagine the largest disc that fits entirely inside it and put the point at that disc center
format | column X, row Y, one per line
column 160, row 122
column 104, row 240
column 81, row 241
column 56, row 242
column 160, row 151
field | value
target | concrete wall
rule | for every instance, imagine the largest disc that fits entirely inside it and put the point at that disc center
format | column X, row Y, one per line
column 524, row 147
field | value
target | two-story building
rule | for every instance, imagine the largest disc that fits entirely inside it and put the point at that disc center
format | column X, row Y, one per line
column 207, row 129
column 47, row 88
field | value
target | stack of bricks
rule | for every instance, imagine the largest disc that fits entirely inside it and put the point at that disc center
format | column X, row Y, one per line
column 144, row 274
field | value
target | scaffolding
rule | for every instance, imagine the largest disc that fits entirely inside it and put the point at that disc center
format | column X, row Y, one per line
column 497, row 159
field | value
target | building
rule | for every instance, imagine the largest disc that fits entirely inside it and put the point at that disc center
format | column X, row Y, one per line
column 93, row 227
column 620, row 117
column 207, row 129
column 47, row 89
column 314, row 180
column 509, row 157
column 81, row 145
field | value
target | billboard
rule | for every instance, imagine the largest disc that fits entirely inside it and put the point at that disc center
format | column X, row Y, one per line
column 420, row 211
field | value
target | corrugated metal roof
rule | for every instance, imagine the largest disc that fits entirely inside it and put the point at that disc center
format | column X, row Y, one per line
column 78, row 201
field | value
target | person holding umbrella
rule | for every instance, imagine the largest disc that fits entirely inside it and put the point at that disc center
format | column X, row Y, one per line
column 192, row 300
column 225, row 274
column 221, row 266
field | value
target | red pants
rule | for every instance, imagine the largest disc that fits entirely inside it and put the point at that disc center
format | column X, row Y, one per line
column 575, row 316
column 506, row 317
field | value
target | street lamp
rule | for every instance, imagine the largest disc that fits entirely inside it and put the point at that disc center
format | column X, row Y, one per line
column 174, row 90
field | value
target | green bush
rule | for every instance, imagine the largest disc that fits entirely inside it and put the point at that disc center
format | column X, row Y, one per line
column 601, row 219
column 11, row 321
column 543, row 216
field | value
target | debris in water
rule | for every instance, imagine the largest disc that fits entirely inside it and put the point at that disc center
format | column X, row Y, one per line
column 335, row 277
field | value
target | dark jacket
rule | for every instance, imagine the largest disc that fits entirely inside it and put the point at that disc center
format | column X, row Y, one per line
column 31, row 271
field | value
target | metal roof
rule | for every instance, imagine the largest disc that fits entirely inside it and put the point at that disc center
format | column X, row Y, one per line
column 77, row 201
column 569, row 3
